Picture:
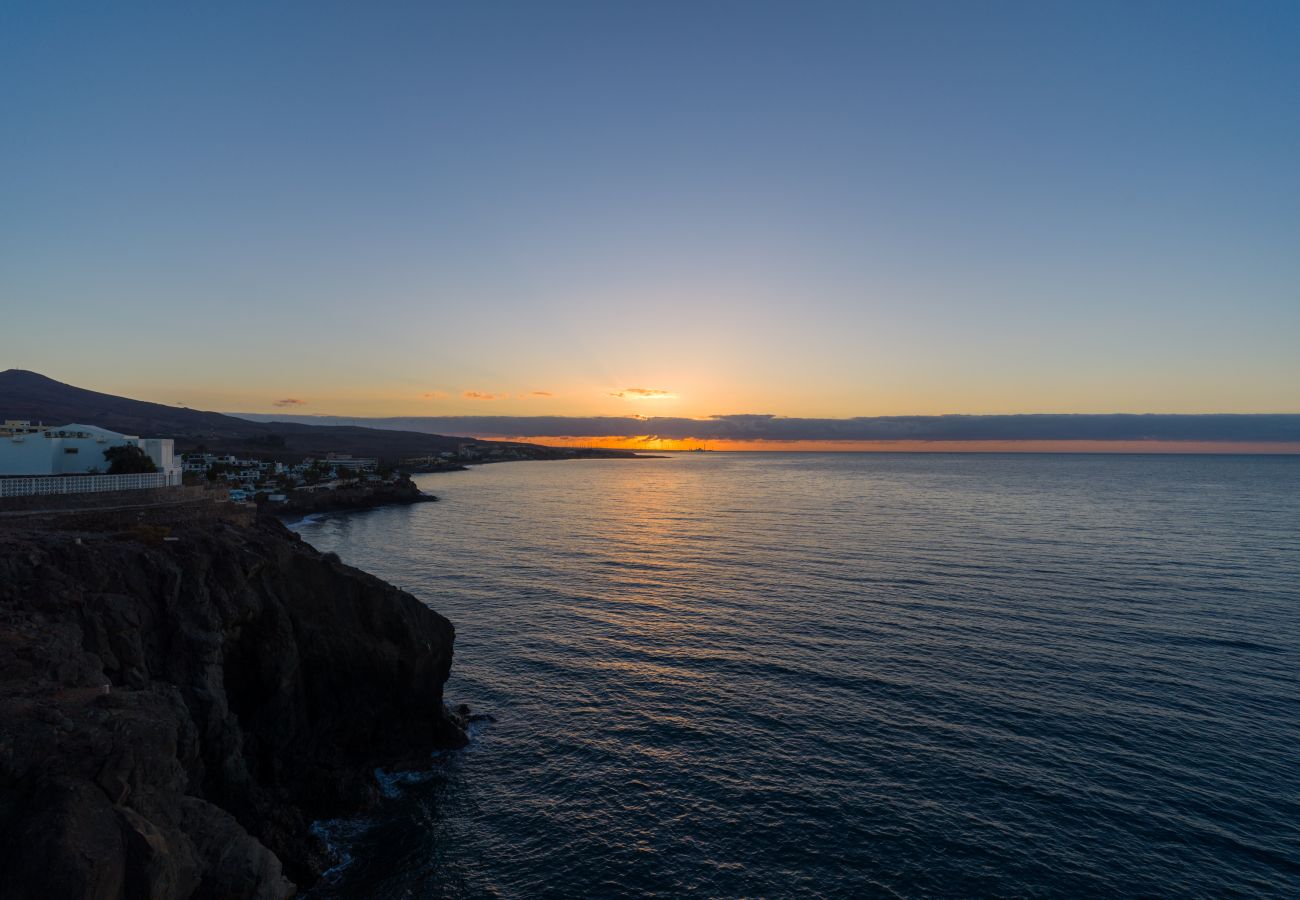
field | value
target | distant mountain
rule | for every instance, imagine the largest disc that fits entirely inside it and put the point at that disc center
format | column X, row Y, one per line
column 32, row 396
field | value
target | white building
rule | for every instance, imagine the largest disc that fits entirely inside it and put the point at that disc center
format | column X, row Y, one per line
column 13, row 427
column 197, row 462
column 75, row 450
column 347, row 461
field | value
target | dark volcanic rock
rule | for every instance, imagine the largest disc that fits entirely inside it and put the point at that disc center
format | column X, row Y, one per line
column 173, row 715
column 356, row 496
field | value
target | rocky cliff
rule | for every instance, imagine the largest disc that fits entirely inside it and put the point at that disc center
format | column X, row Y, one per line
column 178, row 704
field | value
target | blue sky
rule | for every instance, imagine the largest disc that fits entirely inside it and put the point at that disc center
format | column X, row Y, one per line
column 804, row 209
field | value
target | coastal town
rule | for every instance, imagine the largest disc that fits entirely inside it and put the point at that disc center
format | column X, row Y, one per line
column 246, row 479
column 37, row 459
column 82, row 459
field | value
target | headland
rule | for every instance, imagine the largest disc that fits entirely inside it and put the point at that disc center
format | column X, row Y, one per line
column 185, row 688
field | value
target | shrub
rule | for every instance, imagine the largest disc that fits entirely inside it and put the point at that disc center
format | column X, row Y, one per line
column 128, row 459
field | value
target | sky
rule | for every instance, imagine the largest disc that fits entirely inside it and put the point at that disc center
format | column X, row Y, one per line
column 672, row 209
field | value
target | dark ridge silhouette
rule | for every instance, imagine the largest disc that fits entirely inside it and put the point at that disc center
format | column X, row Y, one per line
column 32, row 396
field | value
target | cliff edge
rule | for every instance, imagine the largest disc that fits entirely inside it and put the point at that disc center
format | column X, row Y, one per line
column 178, row 703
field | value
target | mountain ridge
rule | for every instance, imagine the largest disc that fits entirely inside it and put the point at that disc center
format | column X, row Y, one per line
column 38, row 398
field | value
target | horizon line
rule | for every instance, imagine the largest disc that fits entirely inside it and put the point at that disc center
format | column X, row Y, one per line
column 1075, row 432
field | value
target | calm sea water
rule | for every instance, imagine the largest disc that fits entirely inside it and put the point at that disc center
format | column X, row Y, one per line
column 851, row 675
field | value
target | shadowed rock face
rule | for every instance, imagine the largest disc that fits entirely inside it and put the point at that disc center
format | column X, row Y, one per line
column 173, row 715
column 363, row 496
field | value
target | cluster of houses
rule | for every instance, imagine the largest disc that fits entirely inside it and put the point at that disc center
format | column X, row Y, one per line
column 43, row 456
column 490, row 453
column 42, row 459
column 246, row 478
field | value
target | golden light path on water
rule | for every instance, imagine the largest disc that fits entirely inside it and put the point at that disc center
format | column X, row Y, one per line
column 844, row 675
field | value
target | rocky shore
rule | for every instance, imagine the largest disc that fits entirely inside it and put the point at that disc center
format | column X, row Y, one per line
column 178, row 702
column 349, row 497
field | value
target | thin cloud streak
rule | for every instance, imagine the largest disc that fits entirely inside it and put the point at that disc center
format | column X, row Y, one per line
column 643, row 394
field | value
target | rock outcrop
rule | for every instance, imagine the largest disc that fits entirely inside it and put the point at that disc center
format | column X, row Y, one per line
column 363, row 495
column 177, row 705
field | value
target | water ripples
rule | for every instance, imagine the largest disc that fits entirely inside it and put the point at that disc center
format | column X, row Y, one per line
column 844, row 676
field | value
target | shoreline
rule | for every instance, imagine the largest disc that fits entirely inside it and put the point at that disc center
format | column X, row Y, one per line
column 304, row 502
column 402, row 492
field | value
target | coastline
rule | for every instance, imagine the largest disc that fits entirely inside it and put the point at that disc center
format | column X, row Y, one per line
column 301, row 503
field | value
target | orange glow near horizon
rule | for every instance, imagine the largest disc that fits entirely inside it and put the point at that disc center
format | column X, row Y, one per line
column 649, row 443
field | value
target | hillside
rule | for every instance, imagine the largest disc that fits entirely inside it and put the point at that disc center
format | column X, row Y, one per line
column 32, row 396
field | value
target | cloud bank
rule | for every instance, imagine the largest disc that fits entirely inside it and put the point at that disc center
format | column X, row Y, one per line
column 760, row 427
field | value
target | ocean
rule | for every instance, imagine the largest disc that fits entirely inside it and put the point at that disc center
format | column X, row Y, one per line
column 849, row 675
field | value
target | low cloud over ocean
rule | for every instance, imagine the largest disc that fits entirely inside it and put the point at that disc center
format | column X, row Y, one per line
column 1282, row 428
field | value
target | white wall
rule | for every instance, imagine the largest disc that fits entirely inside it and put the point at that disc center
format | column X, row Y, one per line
column 28, row 454
column 39, row 485
column 76, row 456
column 160, row 450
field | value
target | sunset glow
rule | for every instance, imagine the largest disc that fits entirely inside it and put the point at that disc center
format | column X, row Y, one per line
column 655, row 219
column 732, row 449
column 649, row 443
